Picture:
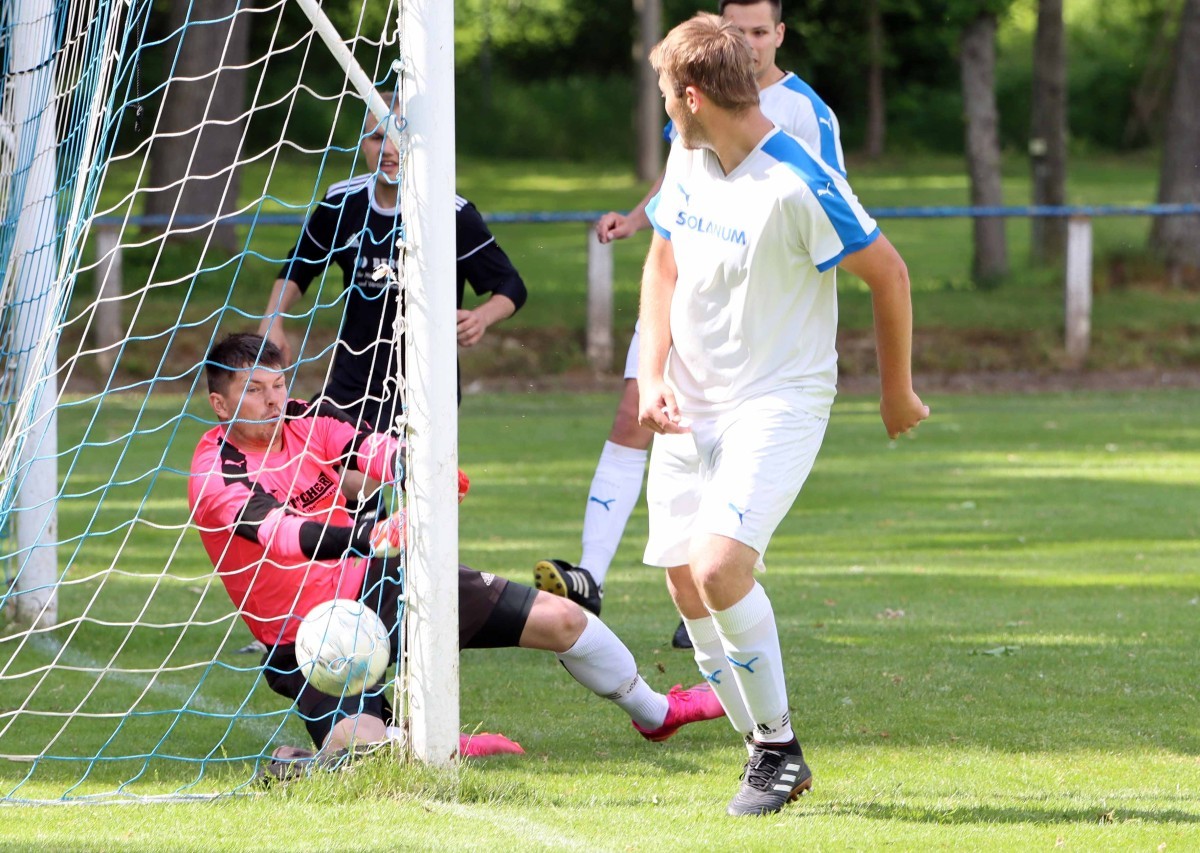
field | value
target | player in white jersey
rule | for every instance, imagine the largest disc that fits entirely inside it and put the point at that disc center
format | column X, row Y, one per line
column 738, row 364
column 794, row 106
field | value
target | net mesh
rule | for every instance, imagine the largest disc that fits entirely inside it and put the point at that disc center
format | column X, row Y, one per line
column 155, row 169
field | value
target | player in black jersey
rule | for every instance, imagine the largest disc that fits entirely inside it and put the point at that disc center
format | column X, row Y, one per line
column 356, row 227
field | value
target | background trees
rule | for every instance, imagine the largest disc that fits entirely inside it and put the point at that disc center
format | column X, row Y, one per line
column 1177, row 238
column 558, row 79
column 1048, row 131
column 977, row 64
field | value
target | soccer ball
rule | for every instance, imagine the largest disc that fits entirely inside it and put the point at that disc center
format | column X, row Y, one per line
column 342, row 647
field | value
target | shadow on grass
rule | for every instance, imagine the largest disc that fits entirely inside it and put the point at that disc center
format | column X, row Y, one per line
column 1015, row 814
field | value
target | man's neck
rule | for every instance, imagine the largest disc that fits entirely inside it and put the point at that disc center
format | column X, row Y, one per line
column 386, row 194
column 770, row 77
column 734, row 136
column 249, row 444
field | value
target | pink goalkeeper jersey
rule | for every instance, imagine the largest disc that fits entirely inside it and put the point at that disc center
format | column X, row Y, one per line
column 249, row 508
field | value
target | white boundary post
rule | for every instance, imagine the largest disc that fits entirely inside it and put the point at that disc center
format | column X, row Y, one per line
column 34, row 602
column 600, row 302
column 1079, row 290
column 427, row 205
column 109, row 284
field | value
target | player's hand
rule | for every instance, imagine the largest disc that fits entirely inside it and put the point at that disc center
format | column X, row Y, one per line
column 614, row 226
column 387, row 536
column 464, row 485
column 902, row 412
column 658, row 411
column 470, row 328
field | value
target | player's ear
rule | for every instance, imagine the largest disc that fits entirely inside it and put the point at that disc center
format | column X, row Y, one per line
column 693, row 97
column 217, row 401
column 779, row 28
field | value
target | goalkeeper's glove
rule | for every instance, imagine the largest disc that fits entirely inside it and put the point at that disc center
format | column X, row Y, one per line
column 388, row 535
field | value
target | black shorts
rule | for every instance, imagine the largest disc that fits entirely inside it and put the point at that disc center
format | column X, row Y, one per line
column 492, row 613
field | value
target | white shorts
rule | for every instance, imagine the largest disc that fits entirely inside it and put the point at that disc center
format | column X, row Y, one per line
column 631, row 357
column 735, row 475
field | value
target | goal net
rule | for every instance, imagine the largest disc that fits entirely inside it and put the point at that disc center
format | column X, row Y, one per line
column 157, row 163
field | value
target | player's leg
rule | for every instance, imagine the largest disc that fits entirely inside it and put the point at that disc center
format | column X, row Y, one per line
column 509, row 614
column 616, row 485
column 613, row 495
column 706, row 647
column 381, row 591
column 333, row 722
column 759, row 458
column 673, row 495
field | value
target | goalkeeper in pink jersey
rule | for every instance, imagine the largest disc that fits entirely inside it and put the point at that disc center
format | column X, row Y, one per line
column 264, row 493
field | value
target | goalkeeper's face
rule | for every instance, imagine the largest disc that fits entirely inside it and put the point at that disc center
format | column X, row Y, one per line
column 252, row 407
column 380, row 154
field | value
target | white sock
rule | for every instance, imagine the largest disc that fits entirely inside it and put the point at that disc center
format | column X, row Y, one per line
column 710, row 657
column 616, row 487
column 751, row 643
column 600, row 662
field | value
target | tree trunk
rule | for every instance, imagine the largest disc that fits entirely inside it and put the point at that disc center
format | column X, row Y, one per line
column 876, row 104
column 978, row 61
column 1177, row 238
column 1148, row 99
column 193, row 164
column 1048, row 132
column 650, row 116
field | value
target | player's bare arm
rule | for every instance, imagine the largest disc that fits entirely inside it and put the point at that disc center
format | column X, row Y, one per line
column 472, row 323
column 616, row 226
column 284, row 294
column 885, row 273
column 658, row 410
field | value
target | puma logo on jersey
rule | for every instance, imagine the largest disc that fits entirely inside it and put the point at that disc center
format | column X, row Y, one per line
column 606, row 504
column 827, row 190
column 741, row 513
column 687, row 196
column 825, row 122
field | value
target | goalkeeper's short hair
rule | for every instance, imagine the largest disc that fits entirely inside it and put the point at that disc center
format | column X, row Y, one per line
column 236, row 352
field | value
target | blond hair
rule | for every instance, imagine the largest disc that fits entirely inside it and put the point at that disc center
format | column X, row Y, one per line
column 712, row 55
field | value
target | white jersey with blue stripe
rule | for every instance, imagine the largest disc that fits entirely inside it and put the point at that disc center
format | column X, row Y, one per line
column 755, row 304
column 798, row 109
column 793, row 105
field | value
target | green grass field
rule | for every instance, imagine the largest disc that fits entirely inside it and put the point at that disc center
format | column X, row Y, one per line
column 990, row 631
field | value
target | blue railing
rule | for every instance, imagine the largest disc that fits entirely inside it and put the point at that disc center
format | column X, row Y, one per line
column 1090, row 211
column 1078, row 279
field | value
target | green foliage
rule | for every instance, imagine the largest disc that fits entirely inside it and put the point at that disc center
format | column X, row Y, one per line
column 569, row 118
column 514, row 28
column 521, row 63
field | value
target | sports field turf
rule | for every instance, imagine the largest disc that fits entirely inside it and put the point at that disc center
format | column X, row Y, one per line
column 990, row 629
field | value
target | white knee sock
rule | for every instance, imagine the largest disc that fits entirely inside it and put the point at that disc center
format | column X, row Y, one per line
column 600, row 662
column 616, row 487
column 710, row 657
column 751, row 643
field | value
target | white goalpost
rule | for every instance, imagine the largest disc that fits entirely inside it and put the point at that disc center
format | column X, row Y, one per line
column 29, row 283
column 123, row 663
column 426, row 70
